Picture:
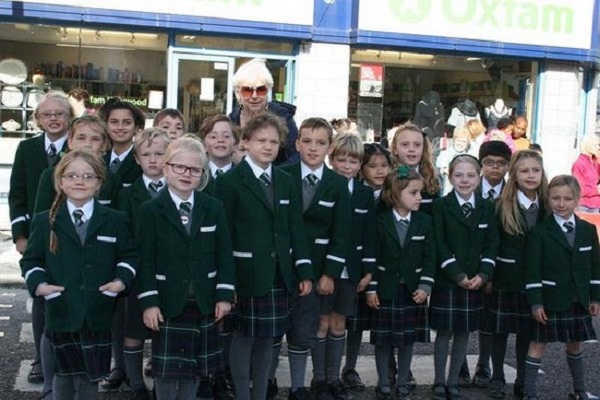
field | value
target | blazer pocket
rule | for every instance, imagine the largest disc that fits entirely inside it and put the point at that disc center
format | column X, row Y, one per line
column 212, row 274
column 107, row 239
column 321, row 241
column 242, row 254
column 211, row 228
column 360, row 211
column 417, row 238
column 328, row 204
column 587, row 248
column 506, row 260
column 284, row 202
column 482, row 226
column 160, row 277
column 548, row 283
column 52, row 296
column 109, row 293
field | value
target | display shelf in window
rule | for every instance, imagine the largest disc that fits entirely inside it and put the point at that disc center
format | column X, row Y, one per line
column 17, row 103
column 105, row 88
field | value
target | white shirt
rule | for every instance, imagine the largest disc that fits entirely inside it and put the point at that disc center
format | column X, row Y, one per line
column 399, row 217
column 213, row 168
column 351, row 185
column 178, row 200
column 461, row 201
column 147, row 181
column 560, row 221
column 485, row 188
column 121, row 156
column 58, row 143
column 524, row 200
column 258, row 171
column 305, row 170
column 87, row 208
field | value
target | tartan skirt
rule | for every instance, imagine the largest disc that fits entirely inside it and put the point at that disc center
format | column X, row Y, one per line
column 400, row 322
column 186, row 346
column 81, row 353
column 361, row 320
column 265, row 316
column 509, row 312
column 456, row 310
column 569, row 326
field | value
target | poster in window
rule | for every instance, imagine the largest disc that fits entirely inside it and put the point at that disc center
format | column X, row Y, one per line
column 371, row 80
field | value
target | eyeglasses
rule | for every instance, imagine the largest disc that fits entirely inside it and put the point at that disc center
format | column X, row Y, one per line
column 76, row 177
column 181, row 169
column 248, row 91
column 492, row 163
column 57, row 114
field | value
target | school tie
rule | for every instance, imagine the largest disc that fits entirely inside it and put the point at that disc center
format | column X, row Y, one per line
column 219, row 172
column 114, row 165
column 568, row 226
column 311, row 179
column 52, row 155
column 154, row 188
column 491, row 193
column 467, row 209
column 78, row 217
column 265, row 179
column 533, row 207
column 569, row 229
column 185, row 209
column 402, row 229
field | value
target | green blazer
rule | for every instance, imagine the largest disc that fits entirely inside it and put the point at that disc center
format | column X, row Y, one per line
column 557, row 273
column 511, row 265
column 30, row 161
column 464, row 246
column 131, row 198
column 360, row 256
column 326, row 221
column 108, row 195
column 129, row 170
column 414, row 263
column 264, row 237
column 427, row 202
column 171, row 261
column 108, row 253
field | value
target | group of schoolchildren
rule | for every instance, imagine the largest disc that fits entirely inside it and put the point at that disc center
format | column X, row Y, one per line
column 210, row 257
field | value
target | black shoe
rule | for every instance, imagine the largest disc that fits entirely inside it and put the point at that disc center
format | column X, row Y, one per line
column 320, row 390
column 35, row 374
column 412, row 382
column 222, row 389
column 148, row 369
column 578, row 396
column 379, row 395
column 403, row 393
column 300, row 394
column 141, row 394
column 352, row 380
column 497, row 389
column 518, row 391
column 392, row 374
column 453, row 392
column 272, row 389
column 481, row 379
column 114, row 380
column 205, row 388
column 339, row 391
column 464, row 378
column 438, row 392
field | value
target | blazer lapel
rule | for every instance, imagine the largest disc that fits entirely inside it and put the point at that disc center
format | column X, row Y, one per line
column 557, row 233
column 198, row 215
column 171, row 215
column 454, row 208
column 139, row 191
column 39, row 153
column 64, row 223
column 387, row 220
column 98, row 219
column 322, row 187
column 250, row 181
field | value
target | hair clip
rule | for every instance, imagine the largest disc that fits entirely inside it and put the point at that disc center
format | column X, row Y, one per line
column 403, row 171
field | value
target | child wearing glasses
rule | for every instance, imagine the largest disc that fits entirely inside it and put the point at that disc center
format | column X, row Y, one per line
column 186, row 278
column 273, row 263
column 89, row 259
column 494, row 157
column 32, row 157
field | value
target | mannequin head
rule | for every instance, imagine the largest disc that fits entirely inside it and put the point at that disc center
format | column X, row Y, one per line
column 499, row 104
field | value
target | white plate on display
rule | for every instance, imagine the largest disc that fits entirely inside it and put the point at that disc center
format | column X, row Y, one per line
column 13, row 71
column 12, row 96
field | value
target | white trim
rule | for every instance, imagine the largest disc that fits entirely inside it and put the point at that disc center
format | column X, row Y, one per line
column 212, row 274
column 448, row 261
column 533, row 285
column 302, row 261
column 225, row 286
column 419, row 270
column 359, row 248
column 335, row 258
column 374, row 283
column 107, row 239
column 594, row 282
column 482, row 226
column 381, row 268
column 33, row 270
column 370, row 291
column 242, row 254
column 126, row 184
column 22, row 218
column 360, row 211
column 284, row 201
column 125, row 265
column 160, row 277
column 416, row 238
column 426, row 278
column 489, row 260
column 426, row 201
column 104, row 202
column 548, row 283
column 321, row 241
column 109, row 293
column 327, row 204
column 211, row 228
column 587, row 248
column 368, row 260
column 148, row 293
column 52, row 295
column 506, row 260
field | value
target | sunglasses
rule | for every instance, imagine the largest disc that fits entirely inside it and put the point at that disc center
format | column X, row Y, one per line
column 248, row 91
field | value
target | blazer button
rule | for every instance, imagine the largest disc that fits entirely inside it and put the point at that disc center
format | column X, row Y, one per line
column 273, row 254
column 82, row 287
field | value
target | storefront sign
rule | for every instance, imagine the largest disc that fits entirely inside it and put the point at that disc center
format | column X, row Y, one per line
column 560, row 23
column 139, row 102
column 298, row 12
column 371, row 80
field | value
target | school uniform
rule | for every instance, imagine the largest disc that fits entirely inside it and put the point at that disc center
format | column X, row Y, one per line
column 466, row 246
column 563, row 277
column 213, row 173
column 78, row 320
column 185, row 268
column 427, row 200
column 406, row 258
column 31, row 159
column 107, row 196
column 128, row 170
column 489, row 192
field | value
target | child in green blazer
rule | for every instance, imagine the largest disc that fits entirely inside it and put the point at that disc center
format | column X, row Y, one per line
column 186, row 282
column 467, row 242
column 272, row 258
column 519, row 208
column 326, row 215
column 562, row 283
column 403, row 280
column 89, row 259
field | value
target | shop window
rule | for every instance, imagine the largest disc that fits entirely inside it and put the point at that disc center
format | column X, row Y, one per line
column 237, row 44
column 104, row 62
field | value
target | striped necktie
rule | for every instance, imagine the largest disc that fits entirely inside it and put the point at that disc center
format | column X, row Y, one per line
column 311, row 179
column 78, row 217
column 467, row 209
column 265, row 179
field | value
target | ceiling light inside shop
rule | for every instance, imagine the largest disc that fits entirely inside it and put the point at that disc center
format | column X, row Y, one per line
column 473, row 58
column 95, row 32
column 416, row 56
column 85, row 46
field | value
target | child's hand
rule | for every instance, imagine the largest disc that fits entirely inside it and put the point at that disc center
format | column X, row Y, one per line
column 325, row 286
column 364, row 282
column 21, row 244
column 373, row 301
column 475, row 283
column 45, row 289
column 540, row 315
column 419, row 296
column 594, row 309
column 222, row 308
column 116, row 286
column 152, row 317
column 464, row 283
column 487, row 287
column 305, row 287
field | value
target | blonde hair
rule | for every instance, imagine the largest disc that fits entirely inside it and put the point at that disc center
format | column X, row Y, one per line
column 464, row 158
column 462, row 133
column 94, row 161
column 566, row 180
column 395, row 182
column 507, row 206
column 55, row 95
column 252, row 71
column 148, row 136
column 348, row 144
column 91, row 120
column 190, row 144
column 589, row 145
column 475, row 128
column 426, row 168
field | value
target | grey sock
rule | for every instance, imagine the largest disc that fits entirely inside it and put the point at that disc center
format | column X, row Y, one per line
column 86, row 389
column 297, row 358
column 225, row 339
column 459, row 352
column 440, row 356
column 532, row 366
column 318, row 359
column 275, row 359
column 333, row 356
column 353, row 340
column 118, row 334
column 382, row 356
column 47, row 360
column 240, row 364
column 485, row 349
column 38, row 323
column 134, row 364
column 404, row 359
column 575, row 362
column 521, row 348
column 499, row 341
column 63, row 387
column 261, row 362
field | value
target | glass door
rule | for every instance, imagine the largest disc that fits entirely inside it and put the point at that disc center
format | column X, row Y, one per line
column 199, row 86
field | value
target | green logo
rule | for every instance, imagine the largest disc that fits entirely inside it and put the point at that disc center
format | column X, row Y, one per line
column 410, row 11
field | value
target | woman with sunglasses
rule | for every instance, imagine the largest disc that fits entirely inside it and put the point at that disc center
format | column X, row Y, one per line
column 252, row 83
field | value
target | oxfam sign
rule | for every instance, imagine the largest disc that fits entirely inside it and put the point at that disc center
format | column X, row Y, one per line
column 561, row 23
